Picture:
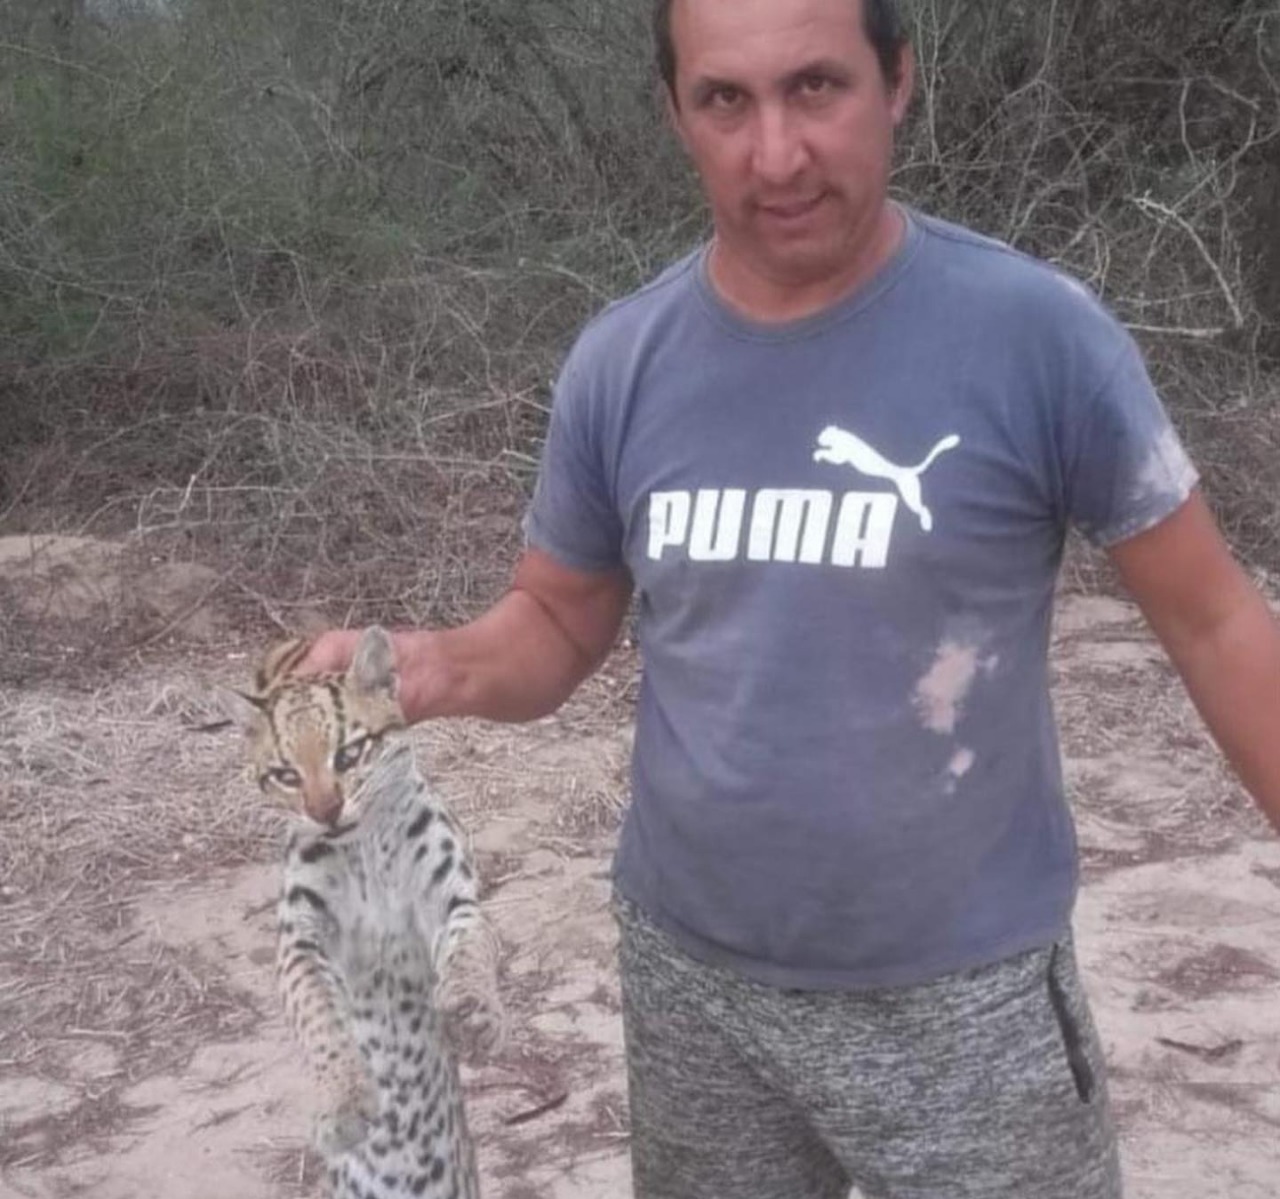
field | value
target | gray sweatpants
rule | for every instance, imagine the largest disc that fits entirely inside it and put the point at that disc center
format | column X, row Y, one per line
column 986, row 1084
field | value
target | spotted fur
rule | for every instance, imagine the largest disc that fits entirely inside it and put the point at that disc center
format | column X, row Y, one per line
column 384, row 961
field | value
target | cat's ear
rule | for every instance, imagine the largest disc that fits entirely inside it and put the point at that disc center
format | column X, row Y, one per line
column 373, row 665
column 280, row 660
column 244, row 711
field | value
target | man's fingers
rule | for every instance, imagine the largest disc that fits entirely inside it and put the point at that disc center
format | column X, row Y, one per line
column 330, row 653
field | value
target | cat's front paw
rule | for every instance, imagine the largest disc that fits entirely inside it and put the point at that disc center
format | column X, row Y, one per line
column 475, row 1024
column 474, row 1014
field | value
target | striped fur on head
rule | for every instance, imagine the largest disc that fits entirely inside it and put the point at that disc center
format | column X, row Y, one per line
column 312, row 738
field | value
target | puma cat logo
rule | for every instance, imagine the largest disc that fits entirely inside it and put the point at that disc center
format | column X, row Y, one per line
column 848, row 449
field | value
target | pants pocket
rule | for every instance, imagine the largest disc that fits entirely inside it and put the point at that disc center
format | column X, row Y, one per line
column 1073, row 1041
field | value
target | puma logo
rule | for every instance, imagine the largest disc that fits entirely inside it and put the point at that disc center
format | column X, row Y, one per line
column 847, row 449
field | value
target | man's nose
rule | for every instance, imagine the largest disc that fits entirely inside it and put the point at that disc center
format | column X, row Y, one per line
column 779, row 151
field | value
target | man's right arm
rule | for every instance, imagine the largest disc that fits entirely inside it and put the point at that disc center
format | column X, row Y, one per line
column 518, row 661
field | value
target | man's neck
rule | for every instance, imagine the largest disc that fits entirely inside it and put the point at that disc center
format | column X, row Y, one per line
column 769, row 300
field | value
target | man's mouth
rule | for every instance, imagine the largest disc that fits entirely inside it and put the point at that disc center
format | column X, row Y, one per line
column 790, row 210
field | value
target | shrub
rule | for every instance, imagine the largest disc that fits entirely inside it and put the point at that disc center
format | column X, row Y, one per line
column 285, row 284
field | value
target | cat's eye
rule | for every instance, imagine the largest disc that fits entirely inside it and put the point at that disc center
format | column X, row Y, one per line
column 350, row 754
column 286, row 776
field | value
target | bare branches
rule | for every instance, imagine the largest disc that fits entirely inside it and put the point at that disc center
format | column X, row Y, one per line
column 284, row 287
column 1167, row 213
column 1130, row 161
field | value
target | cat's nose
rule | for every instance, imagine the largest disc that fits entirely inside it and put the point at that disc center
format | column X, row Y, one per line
column 323, row 804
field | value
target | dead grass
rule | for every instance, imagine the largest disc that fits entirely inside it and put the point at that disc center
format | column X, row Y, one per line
column 140, row 744
column 108, row 790
column 544, row 761
column 103, row 792
column 1141, row 767
column 296, row 1170
column 1216, row 969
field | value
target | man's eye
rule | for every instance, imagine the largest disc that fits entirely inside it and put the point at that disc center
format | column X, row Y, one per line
column 286, row 776
column 816, row 85
column 350, row 754
column 723, row 98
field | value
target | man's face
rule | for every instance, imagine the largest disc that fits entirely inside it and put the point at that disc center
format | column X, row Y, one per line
column 789, row 120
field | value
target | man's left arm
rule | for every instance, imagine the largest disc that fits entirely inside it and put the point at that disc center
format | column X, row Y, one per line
column 1220, row 634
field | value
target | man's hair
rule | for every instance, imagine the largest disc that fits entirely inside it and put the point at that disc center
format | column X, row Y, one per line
column 880, row 18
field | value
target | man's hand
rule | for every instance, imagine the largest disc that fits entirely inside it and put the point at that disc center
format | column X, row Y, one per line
column 330, row 652
column 518, row 661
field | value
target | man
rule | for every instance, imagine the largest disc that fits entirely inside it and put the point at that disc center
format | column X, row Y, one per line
column 834, row 455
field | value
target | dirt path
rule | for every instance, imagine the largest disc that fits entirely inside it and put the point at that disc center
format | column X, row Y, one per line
column 140, row 1050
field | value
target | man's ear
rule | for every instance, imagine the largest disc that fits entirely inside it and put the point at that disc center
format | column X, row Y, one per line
column 674, row 118
column 902, row 91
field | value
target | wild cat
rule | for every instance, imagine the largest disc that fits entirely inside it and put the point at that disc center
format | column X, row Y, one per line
column 380, row 930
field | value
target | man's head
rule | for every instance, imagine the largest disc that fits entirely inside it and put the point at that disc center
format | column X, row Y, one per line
column 788, row 110
column 880, row 18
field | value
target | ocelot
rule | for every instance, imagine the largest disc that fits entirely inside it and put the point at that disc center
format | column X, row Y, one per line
column 384, row 959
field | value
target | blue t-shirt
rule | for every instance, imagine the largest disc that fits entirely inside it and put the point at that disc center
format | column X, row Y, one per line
column 844, row 534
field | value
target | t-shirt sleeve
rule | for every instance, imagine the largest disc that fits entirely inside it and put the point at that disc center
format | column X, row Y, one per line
column 1126, row 469
column 572, row 515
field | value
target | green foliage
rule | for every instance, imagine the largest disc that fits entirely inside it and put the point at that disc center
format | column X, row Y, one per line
column 243, row 157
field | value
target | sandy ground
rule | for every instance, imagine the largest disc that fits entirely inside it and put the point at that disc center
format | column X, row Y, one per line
column 141, row 1051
